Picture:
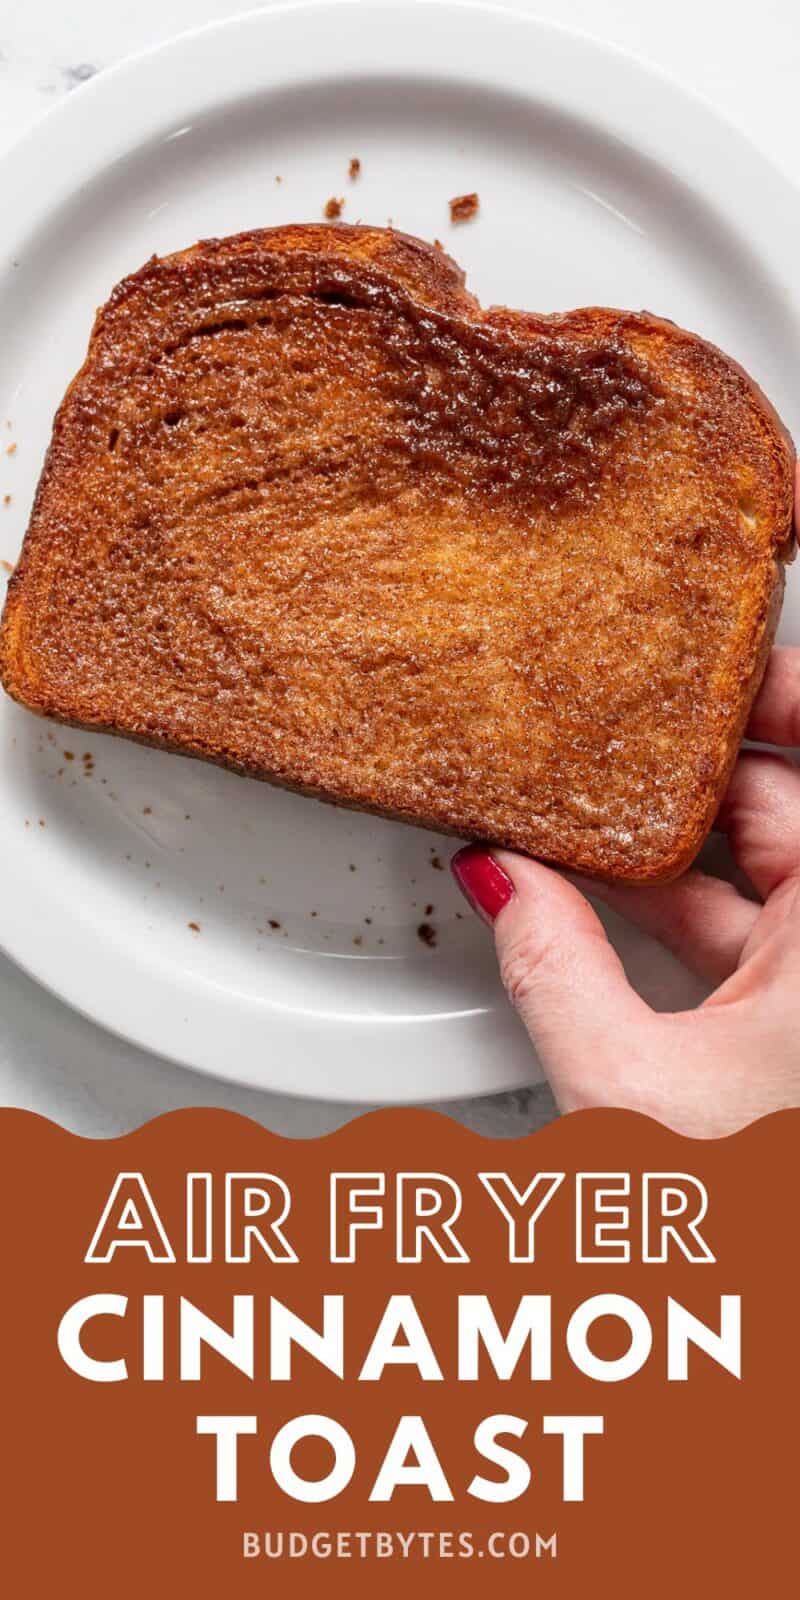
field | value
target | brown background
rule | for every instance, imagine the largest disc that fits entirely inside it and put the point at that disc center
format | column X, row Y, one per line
column 108, row 1492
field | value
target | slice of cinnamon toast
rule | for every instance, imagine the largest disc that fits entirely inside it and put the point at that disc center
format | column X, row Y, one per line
column 310, row 512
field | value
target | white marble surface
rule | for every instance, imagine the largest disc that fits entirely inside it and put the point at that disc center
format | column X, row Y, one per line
column 747, row 64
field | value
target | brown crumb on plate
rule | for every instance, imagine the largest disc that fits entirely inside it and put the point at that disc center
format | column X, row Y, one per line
column 333, row 208
column 6, row 499
column 195, row 927
column 273, row 923
column 427, row 934
column 464, row 207
column 354, row 169
column 11, row 450
column 6, row 566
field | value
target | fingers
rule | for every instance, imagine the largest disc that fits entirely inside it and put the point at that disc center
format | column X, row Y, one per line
column 775, row 717
column 761, row 816
column 557, row 966
column 702, row 920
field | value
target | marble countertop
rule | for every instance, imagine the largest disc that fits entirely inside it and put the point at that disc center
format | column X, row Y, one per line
column 51, row 1059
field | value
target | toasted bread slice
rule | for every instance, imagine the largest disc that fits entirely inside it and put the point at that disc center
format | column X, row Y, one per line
column 311, row 513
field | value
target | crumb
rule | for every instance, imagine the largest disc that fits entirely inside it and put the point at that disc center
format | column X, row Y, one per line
column 352, row 866
column 147, row 811
column 6, row 566
column 73, row 76
column 333, row 208
column 381, row 941
column 278, row 178
column 437, row 244
column 11, row 450
column 354, row 169
column 459, row 916
column 6, row 499
column 358, row 939
column 42, row 823
column 315, row 913
column 437, row 863
column 427, row 934
column 69, row 755
column 186, row 817
column 148, row 865
column 464, row 207
column 368, row 921
column 429, row 911
column 273, row 923
column 195, row 927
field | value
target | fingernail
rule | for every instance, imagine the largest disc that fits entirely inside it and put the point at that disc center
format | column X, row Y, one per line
column 487, row 887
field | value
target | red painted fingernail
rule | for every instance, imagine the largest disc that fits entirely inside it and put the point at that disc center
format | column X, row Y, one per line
column 487, row 887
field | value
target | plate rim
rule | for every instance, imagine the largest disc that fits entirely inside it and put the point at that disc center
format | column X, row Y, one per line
column 356, row 38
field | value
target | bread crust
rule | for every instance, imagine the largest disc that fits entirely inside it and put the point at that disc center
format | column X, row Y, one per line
column 625, row 467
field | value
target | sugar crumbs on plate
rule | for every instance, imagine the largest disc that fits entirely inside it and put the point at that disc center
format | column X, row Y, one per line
column 464, row 207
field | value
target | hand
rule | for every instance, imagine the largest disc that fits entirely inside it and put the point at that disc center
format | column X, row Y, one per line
column 705, row 1072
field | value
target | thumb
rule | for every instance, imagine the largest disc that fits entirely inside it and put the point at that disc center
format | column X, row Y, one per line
column 559, row 970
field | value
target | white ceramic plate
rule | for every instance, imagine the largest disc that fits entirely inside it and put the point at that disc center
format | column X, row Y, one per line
column 600, row 182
